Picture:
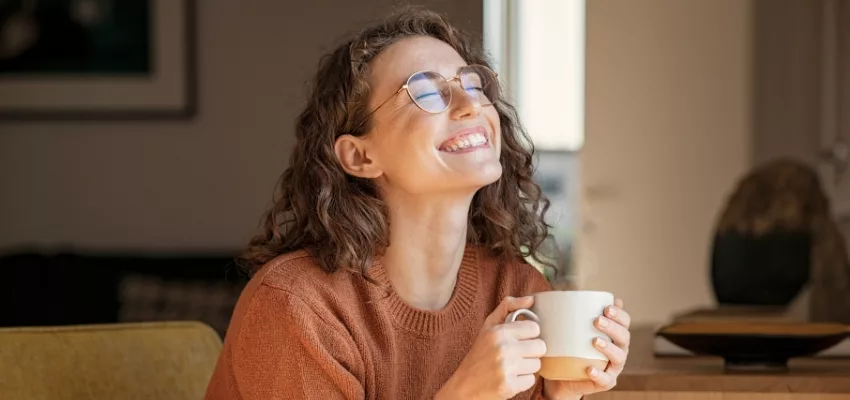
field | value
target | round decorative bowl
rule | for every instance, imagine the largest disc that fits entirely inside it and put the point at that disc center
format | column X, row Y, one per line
column 755, row 345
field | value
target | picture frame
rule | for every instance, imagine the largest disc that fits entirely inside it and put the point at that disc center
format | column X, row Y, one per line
column 138, row 62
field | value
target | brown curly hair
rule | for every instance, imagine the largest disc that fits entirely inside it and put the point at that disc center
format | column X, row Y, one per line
column 341, row 219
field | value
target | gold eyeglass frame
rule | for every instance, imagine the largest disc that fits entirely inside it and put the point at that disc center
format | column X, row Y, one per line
column 406, row 86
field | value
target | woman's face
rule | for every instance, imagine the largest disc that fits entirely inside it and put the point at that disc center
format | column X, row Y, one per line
column 455, row 151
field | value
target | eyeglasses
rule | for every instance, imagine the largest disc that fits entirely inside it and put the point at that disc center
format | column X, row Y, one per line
column 432, row 92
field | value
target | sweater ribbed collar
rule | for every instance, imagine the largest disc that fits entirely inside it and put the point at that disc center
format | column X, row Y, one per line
column 426, row 322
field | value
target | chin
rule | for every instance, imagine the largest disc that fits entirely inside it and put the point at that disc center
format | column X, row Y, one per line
column 486, row 175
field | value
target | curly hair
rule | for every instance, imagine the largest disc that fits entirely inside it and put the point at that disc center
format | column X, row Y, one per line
column 341, row 219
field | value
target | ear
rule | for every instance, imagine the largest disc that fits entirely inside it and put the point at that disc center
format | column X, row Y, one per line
column 356, row 156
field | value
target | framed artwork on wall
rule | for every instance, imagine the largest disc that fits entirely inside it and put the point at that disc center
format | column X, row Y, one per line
column 97, row 59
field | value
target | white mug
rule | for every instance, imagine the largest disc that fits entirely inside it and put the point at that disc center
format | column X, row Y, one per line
column 566, row 320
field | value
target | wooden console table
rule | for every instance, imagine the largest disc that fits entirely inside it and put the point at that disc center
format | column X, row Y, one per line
column 704, row 378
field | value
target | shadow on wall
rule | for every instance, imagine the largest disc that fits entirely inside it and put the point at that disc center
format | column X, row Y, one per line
column 43, row 289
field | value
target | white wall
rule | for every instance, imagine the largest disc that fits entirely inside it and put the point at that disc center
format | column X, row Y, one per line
column 667, row 135
column 199, row 184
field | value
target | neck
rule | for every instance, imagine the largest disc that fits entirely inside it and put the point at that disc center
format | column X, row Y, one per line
column 427, row 243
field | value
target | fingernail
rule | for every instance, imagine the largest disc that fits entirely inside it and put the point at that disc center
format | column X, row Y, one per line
column 601, row 343
column 612, row 311
column 602, row 323
column 594, row 371
column 528, row 297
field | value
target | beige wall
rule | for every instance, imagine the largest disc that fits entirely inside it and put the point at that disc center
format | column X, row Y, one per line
column 787, row 67
column 184, row 185
column 667, row 135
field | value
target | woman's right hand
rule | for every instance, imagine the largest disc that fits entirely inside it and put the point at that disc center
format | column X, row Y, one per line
column 502, row 360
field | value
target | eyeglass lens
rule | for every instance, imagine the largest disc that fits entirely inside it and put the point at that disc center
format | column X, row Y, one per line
column 433, row 93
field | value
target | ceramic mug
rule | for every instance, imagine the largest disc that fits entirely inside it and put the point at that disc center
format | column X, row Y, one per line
column 566, row 320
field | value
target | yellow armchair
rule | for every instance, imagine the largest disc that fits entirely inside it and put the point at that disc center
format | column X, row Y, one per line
column 162, row 360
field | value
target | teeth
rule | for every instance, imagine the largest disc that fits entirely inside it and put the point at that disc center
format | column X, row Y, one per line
column 470, row 140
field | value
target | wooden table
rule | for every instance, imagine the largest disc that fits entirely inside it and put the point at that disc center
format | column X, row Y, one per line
column 704, row 378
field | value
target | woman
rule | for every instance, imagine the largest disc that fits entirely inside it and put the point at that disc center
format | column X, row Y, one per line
column 393, row 251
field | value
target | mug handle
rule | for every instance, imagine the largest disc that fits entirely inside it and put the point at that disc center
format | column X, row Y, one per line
column 522, row 311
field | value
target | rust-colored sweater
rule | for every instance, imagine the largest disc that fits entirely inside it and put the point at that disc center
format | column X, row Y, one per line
column 300, row 333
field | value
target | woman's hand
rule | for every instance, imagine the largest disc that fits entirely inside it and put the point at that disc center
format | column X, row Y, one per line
column 615, row 324
column 503, row 359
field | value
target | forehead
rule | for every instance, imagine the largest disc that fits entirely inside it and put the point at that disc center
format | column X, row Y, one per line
column 401, row 59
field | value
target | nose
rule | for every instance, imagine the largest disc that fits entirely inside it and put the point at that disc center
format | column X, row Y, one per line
column 463, row 105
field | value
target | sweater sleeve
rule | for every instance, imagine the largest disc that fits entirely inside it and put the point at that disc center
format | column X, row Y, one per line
column 285, row 350
column 531, row 280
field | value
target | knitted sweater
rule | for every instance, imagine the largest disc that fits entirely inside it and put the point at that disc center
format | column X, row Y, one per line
column 300, row 333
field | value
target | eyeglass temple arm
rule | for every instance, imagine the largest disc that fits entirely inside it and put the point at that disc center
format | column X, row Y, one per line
column 380, row 105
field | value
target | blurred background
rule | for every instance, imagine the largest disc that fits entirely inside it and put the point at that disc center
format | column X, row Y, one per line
column 685, row 145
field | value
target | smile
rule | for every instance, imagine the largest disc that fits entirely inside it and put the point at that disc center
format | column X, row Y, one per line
column 476, row 139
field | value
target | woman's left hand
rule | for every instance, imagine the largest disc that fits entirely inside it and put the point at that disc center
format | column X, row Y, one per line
column 615, row 324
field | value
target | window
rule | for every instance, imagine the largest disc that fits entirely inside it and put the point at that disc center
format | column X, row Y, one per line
column 538, row 49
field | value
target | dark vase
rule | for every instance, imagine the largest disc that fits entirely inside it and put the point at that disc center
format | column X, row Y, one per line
column 768, row 270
